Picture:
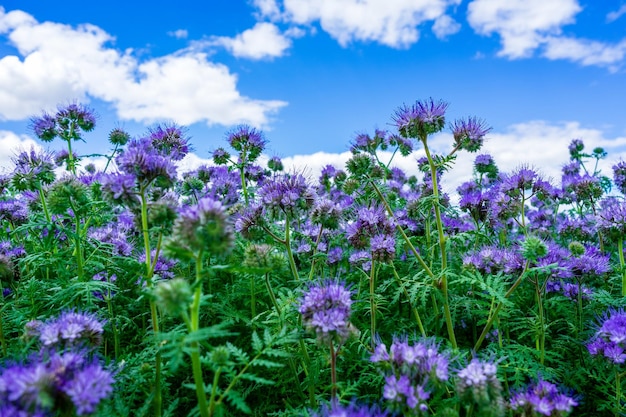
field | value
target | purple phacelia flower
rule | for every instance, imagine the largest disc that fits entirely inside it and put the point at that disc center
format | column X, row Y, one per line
column 351, row 410
column 44, row 127
column 88, row 388
column 610, row 338
column 247, row 140
column 142, row 160
column 286, row 195
column 71, row 329
column 469, row 133
column 421, row 119
column 326, row 309
column 170, row 141
column 543, row 398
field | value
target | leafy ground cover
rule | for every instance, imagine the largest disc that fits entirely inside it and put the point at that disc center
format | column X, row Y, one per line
column 243, row 289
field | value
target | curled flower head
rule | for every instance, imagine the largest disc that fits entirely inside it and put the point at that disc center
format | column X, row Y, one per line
column 170, row 141
column 286, row 195
column 146, row 163
column 543, row 398
column 202, row 228
column 75, row 116
column 248, row 140
column 71, row 328
column 421, row 119
column 44, row 127
column 469, row 133
column 610, row 338
column 326, row 309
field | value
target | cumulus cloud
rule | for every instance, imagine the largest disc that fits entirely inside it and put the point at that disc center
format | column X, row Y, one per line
column 525, row 26
column 521, row 24
column 58, row 62
column 263, row 41
column 389, row 22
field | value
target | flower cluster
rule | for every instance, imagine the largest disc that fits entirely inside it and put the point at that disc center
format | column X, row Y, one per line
column 64, row 376
column 478, row 384
column 421, row 119
column 326, row 309
column 286, row 195
column 202, row 228
column 69, row 329
column 351, row 410
column 410, row 371
column 543, row 398
column 610, row 338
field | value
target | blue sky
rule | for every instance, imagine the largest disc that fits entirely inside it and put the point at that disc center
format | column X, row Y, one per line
column 314, row 73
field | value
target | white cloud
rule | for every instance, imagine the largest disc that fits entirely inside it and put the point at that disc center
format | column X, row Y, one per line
column 613, row 16
column 585, row 52
column 62, row 63
column 521, row 24
column 389, row 22
column 263, row 41
column 445, row 26
column 179, row 33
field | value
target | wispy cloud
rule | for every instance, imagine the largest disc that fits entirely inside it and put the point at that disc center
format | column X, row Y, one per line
column 179, row 33
column 613, row 16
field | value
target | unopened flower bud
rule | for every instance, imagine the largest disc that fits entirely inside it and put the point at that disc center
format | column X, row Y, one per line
column 173, row 296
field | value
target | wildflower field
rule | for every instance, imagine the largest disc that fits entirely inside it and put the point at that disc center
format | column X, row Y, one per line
column 241, row 289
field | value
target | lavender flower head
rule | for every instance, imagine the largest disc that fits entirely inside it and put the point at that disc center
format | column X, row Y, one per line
column 478, row 384
column 202, row 228
column 144, row 161
column 326, row 309
column 408, row 370
column 610, row 338
column 351, row 410
column 421, row 119
column 286, row 195
column 170, row 140
column 69, row 329
column 48, row 384
column 469, row 133
column 248, row 141
column 543, row 398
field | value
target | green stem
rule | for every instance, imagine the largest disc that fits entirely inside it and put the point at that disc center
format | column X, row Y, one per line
column 620, row 252
column 3, row 342
column 494, row 315
column 292, row 262
column 252, row 297
column 442, row 248
column 216, row 379
column 373, row 304
column 43, row 204
column 78, row 251
column 408, row 297
column 333, row 372
column 313, row 259
column 158, row 399
column 195, row 346
column 270, row 291
column 542, row 336
column 404, row 236
column 618, row 393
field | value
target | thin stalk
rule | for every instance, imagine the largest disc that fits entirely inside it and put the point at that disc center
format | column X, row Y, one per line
column 242, row 173
column 618, row 393
column 195, row 346
column 313, row 259
column 78, row 251
column 372, row 279
column 406, row 294
column 541, row 340
column 404, row 236
column 116, row 336
column 158, row 399
column 333, row 372
column 3, row 341
column 442, row 248
column 216, row 379
column 270, row 291
column 252, row 297
column 620, row 252
column 494, row 315
column 43, row 204
column 292, row 262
